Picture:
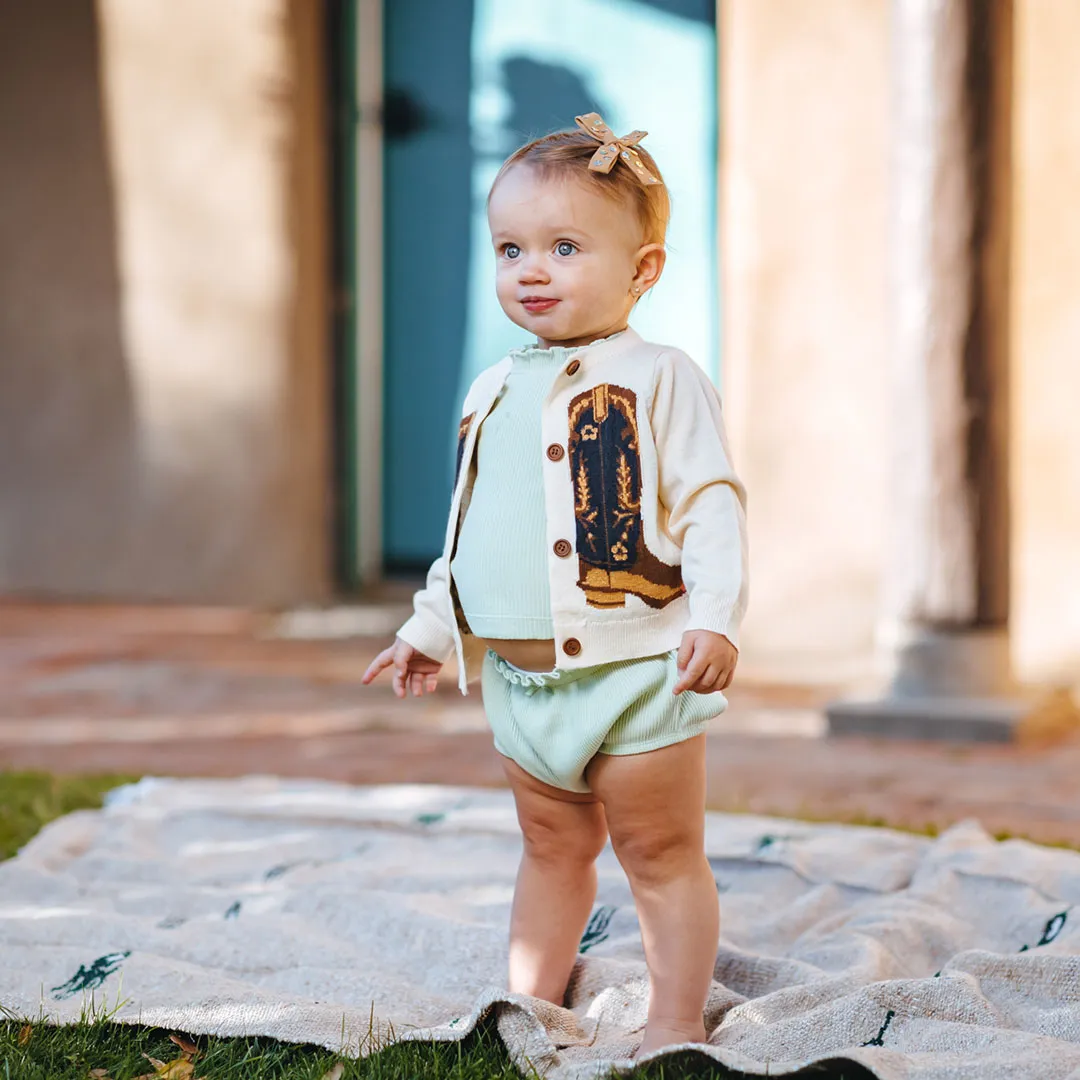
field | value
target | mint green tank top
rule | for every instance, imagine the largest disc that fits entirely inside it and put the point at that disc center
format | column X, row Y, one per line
column 501, row 564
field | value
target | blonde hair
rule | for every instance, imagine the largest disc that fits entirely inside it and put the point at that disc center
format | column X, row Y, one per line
column 567, row 154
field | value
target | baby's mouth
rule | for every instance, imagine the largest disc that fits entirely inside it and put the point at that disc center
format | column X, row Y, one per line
column 534, row 305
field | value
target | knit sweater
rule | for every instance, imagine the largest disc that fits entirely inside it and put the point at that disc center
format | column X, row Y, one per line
column 645, row 516
column 500, row 569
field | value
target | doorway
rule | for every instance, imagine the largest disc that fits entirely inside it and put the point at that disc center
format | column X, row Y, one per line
column 464, row 82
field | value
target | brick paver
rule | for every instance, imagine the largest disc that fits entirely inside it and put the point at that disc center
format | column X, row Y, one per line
column 213, row 693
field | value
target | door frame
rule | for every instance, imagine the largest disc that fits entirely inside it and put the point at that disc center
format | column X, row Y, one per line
column 356, row 48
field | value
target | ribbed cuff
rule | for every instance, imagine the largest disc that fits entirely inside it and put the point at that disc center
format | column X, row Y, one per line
column 719, row 614
column 431, row 640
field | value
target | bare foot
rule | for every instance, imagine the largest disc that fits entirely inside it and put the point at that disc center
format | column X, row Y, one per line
column 667, row 1033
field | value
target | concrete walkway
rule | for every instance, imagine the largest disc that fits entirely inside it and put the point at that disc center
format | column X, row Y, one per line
column 214, row 692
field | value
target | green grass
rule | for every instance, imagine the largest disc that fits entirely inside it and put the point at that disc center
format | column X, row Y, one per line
column 930, row 829
column 43, row 1052
column 70, row 1052
column 29, row 800
column 31, row 1050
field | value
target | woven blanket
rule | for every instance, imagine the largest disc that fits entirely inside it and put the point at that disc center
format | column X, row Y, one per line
column 340, row 916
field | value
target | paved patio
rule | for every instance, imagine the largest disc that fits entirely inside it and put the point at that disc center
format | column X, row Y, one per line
column 217, row 692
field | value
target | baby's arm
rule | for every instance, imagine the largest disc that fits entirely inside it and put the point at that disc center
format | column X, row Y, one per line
column 706, row 504
column 430, row 629
column 424, row 643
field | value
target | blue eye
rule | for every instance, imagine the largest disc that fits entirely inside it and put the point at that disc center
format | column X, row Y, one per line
column 564, row 247
column 511, row 251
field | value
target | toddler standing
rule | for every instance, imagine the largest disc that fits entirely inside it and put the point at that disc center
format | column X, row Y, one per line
column 595, row 562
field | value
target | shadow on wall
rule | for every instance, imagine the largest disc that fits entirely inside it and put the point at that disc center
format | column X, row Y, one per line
column 698, row 10
column 544, row 97
column 68, row 452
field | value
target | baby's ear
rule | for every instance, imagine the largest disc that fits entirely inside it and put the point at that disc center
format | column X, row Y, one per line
column 650, row 259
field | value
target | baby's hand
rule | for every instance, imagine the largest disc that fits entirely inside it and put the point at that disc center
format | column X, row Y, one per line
column 412, row 668
column 706, row 662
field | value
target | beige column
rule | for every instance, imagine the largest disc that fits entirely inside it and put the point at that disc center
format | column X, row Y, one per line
column 1045, row 342
column 944, row 634
column 803, row 223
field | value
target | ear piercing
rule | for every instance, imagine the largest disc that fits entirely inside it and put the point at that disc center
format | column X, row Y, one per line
column 636, row 289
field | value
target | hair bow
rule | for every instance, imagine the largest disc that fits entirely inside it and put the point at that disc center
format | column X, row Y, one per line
column 614, row 148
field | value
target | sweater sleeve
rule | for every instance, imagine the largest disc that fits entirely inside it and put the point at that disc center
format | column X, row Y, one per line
column 430, row 628
column 704, row 499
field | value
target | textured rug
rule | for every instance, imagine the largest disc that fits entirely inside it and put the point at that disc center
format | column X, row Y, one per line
column 322, row 913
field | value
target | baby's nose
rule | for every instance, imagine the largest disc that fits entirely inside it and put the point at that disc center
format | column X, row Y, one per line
column 532, row 270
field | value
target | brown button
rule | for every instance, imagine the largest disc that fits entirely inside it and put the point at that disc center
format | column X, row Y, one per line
column 571, row 646
column 571, row 368
column 562, row 548
column 555, row 452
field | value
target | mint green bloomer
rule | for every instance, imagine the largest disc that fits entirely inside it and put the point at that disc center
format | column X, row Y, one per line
column 552, row 723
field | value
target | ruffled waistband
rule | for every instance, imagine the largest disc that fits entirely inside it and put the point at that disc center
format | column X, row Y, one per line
column 531, row 681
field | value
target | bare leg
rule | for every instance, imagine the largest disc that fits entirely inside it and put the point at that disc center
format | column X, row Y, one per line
column 655, row 808
column 556, row 884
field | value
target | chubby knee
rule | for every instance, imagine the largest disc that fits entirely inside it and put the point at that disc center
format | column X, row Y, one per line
column 651, row 854
column 555, row 842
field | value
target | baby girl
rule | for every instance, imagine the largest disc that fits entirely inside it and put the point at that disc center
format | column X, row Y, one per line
column 595, row 564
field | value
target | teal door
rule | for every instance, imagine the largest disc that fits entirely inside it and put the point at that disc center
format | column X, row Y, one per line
column 428, row 172
column 467, row 81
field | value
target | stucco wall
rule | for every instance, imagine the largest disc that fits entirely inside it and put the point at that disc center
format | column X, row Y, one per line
column 804, row 157
column 162, row 416
column 68, row 455
column 1046, row 342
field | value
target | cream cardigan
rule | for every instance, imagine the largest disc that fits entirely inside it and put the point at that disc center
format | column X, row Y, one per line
column 646, row 524
column 500, row 571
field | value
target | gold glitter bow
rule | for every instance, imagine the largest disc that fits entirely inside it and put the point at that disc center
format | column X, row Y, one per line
column 614, row 148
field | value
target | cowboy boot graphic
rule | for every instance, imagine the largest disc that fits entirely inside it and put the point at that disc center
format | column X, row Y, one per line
column 462, row 434
column 605, row 466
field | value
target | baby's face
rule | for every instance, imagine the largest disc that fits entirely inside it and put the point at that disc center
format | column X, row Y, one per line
column 565, row 255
